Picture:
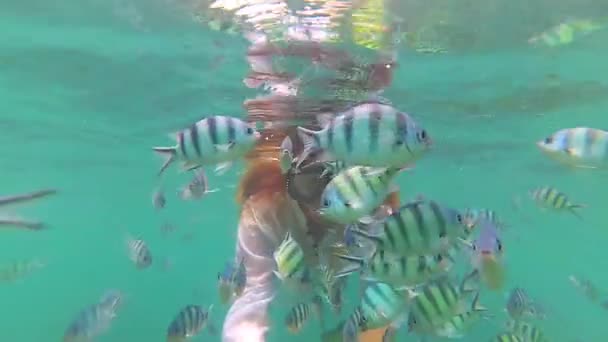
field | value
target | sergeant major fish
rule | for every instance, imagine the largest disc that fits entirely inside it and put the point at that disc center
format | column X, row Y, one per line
column 216, row 140
column 520, row 306
column 189, row 322
column 301, row 313
column 370, row 134
column 437, row 302
column 138, row 252
column 399, row 271
column 579, row 146
column 461, row 324
column 94, row 319
column 355, row 192
column 419, row 227
column 548, row 197
column 289, row 258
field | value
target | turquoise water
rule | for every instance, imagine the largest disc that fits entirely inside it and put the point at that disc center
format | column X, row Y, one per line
column 87, row 90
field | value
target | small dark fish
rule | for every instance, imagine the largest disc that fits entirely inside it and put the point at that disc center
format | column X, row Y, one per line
column 299, row 314
column 167, row 228
column 197, row 188
column 231, row 282
column 158, row 199
column 16, row 199
column 519, row 305
column 139, row 253
column 189, row 322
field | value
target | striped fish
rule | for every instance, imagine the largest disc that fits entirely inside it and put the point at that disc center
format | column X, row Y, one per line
column 188, row 323
column 139, row 253
column 519, row 305
column 354, row 324
column 301, row 313
column 94, row 319
column 380, row 304
column 579, row 146
column 399, row 271
column 437, row 302
column 197, row 188
column 355, row 193
column 370, row 134
column 289, row 258
column 473, row 216
column 231, row 282
column 548, row 197
column 526, row 331
column 216, row 140
column 19, row 269
column 417, row 228
column 461, row 324
column 507, row 337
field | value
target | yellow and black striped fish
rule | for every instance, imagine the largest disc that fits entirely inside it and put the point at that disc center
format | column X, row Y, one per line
column 189, row 322
column 507, row 337
column 289, row 258
column 526, row 331
column 400, row 271
column 460, row 325
column 549, row 197
column 355, row 193
column 418, row 228
column 437, row 302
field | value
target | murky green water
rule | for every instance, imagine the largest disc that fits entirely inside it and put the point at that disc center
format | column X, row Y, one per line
column 86, row 90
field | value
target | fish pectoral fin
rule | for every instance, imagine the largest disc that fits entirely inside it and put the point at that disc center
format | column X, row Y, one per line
column 225, row 147
column 189, row 166
column 222, row 168
column 572, row 152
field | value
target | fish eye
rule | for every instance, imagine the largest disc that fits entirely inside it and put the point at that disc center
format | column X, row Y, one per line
column 499, row 245
column 326, row 202
column 399, row 142
column 347, row 204
column 548, row 140
column 249, row 131
column 459, row 218
column 422, row 135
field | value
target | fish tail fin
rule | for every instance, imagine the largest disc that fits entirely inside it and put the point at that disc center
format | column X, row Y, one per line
column 574, row 209
column 168, row 153
column 366, row 235
column 310, row 141
column 469, row 283
column 354, row 265
column 475, row 306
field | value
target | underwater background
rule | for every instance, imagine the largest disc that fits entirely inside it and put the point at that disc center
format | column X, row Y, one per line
column 88, row 87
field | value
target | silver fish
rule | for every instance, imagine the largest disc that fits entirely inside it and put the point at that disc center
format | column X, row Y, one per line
column 216, row 140
column 139, row 252
column 370, row 134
